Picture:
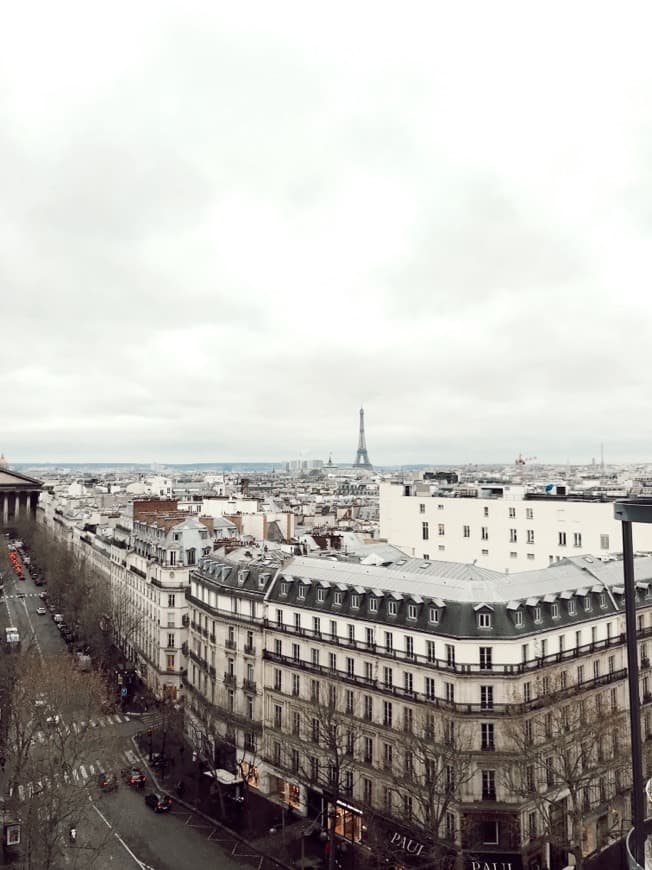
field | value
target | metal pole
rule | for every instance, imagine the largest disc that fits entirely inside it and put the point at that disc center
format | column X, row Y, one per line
column 638, row 805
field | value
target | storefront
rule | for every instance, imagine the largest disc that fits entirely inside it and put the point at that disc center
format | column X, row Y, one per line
column 250, row 774
column 284, row 792
column 347, row 820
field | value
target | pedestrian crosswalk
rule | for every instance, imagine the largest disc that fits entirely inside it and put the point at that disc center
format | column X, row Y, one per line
column 79, row 727
column 80, row 775
column 22, row 595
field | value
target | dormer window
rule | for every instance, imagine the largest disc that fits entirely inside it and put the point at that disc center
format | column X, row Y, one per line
column 484, row 620
column 412, row 611
column 554, row 610
column 355, row 600
column 603, row 599
column 538, row 614
column 373, row 605
column 484, row 615
column 572, row 607
column 587, row 602
column 392, row 609
column 338, row 598
column 321, row 595
column 284, row 588
column 301, row 594
column 433, row 615
column 518, row 618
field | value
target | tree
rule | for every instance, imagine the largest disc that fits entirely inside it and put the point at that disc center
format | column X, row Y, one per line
column 49, row 735
column 331, row 765
column 431, row 765
column 569, row 758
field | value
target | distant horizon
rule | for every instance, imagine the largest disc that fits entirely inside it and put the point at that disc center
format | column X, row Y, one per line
column 280, row 464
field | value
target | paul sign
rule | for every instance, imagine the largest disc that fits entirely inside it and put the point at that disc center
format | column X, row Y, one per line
column 412, row 847
column 491, row 865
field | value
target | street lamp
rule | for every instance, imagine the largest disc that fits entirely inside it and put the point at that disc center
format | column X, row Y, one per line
column 637, row 510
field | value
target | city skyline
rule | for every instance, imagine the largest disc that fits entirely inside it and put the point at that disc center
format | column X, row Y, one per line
column 221, row 237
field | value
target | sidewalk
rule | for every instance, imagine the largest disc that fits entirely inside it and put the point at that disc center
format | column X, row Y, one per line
column 260, row 823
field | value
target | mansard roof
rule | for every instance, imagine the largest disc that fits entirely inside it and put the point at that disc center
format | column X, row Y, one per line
column 447, row 598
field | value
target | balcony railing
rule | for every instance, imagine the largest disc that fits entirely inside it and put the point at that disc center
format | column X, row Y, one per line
column 229, row 679
column 514, row 669
column 229, row 643
column 482, row 709
column 249, row 650
column 249, row 685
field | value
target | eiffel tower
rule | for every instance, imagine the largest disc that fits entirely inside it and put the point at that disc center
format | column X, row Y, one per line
column 362, row 457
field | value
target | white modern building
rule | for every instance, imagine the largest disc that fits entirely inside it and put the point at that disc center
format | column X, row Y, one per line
column 503, row 528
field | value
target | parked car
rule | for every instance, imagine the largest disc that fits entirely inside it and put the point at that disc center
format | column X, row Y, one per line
column 160, row 803
column 41, row 611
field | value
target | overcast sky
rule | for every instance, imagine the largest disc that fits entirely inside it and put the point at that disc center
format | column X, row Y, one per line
column 223, row 226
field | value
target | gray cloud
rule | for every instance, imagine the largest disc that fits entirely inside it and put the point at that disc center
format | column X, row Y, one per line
column 220, row 233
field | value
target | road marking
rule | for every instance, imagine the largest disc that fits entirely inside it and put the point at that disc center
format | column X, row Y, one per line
column 82, row 771
column 140, row 863
column 21, row 792
column 131, row 756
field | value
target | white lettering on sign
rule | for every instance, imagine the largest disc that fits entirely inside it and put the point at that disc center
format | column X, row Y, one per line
column 491, row 865
column 412, row 847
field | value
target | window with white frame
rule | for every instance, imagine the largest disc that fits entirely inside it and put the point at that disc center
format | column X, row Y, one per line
column 338, row 598
column 530, row 536
column 554, row 610
column 301, row 593
column 518, row 618
column 321, row 594
column 392, row 608
column 484, row 619
column 412, row 611
column 373, row 605
column 433, row 615
column 572, row 607
column 355, row 600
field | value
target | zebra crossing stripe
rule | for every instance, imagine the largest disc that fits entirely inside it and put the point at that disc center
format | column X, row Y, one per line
column 82, row 771
column 131, row 756
column 76, row 775
column 21, row 792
